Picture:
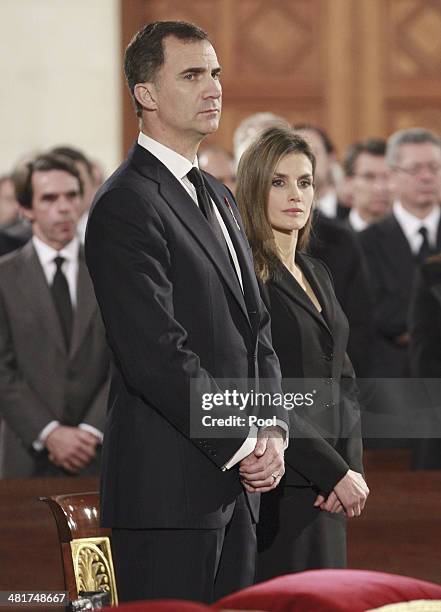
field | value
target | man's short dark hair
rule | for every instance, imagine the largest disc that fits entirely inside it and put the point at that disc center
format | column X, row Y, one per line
column 144, row 55
column 74, row 155
column 22, row 175
column 371, row 146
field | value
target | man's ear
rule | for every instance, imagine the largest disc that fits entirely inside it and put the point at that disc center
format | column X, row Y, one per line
column 27, row 213
column 145, row 95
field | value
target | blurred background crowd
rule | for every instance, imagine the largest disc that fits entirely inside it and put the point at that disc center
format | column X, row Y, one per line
column 355, row 84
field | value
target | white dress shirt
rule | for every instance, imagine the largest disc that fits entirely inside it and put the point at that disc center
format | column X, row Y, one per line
column 69, row 267
column 357, row 223
column 179, row 166
column 411, row 226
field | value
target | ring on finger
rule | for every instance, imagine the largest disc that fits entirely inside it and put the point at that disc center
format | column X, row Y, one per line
column 275, row 477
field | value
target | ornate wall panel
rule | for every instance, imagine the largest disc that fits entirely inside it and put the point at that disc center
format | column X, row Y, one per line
column 358, row 67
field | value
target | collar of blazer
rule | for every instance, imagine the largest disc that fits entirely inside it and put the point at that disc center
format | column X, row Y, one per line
column 287, row 283
column 185, row 209
column 31, row 282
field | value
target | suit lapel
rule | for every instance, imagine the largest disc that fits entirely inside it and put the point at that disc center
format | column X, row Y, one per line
column 190, row 216
column 85, row 305
column 398, row 249
column 288, row 284
column 309, row 270
column 33, row 285
column 237, row 235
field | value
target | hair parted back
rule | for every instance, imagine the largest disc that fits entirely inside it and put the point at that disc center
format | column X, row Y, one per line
column 254, row 175
column 415, row 135
column 372, row 146
column 144, row 55
column 74, row 155
column 22, row 175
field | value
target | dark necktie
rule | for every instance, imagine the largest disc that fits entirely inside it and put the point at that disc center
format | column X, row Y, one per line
column 425, row 249
column 206, row 205
column 61, row 297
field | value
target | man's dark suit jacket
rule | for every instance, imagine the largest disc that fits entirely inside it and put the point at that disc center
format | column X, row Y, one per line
column 425, row 359
column 39, row 380
column 174, row 312
column 338, row 247
column 392, row 267
column 312, row 345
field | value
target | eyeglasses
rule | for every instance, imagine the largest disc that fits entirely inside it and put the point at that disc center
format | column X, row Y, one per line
column 432, row 167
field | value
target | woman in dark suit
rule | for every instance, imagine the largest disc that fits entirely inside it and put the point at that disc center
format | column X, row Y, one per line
column 425, row 358
column 302, row 525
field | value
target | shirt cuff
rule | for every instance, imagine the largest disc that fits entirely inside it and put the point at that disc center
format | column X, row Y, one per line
column 38, row 444
column 246, row 449
column 93, row 430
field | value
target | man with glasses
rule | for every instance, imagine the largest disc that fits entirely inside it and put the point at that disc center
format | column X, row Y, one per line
column 397, row 245
column 368, row 175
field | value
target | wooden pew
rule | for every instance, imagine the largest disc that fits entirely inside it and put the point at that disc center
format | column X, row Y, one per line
column 30, row 556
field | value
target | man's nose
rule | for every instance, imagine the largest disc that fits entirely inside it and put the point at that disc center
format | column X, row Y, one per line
column 214, row 88
column 65, row 204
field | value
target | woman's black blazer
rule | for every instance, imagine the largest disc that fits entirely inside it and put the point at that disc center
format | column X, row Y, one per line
column 312, row 345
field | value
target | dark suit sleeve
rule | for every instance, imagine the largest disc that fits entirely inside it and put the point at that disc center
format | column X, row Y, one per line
column 129, row 263
column 389, row 307
column 425, row 330
column 350, row 443
column 24, row 411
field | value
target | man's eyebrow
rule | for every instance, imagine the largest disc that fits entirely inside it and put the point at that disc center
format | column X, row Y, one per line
column 194, row 70
column 200, row 70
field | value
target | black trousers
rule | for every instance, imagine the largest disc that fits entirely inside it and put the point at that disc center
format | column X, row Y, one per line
column 196, row 564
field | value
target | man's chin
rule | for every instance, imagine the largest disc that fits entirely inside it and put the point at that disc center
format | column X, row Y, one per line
column 210, row 125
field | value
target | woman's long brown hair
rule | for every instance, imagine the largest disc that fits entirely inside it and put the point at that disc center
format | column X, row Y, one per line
column 254, row 176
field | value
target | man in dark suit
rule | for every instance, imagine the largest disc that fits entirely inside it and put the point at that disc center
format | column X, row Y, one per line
column 54, row 363
column 396, row 245
column 394, row 248
column 175, row 283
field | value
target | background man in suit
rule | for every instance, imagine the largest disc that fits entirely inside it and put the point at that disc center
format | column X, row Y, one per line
column 394, row 248
column 14, row 230
column 367, row 174
column 53, row 357
column 396, row 245
column 175, row 283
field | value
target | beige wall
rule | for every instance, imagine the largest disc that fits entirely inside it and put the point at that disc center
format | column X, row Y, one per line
column 60, row 78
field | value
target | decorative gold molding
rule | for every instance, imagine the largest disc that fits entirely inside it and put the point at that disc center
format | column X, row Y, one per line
column 93, row 566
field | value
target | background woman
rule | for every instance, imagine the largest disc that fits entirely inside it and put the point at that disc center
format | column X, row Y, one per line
column 302, row 524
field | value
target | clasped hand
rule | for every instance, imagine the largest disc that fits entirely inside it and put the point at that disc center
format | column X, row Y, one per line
column 349, row 496
column 262, row 470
